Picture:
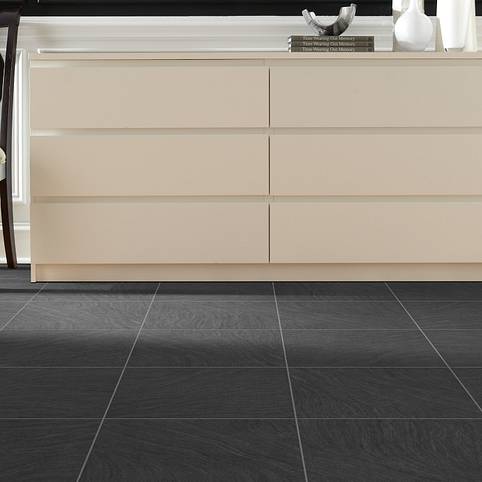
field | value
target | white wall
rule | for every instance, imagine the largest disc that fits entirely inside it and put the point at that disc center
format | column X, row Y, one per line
column 146, row 34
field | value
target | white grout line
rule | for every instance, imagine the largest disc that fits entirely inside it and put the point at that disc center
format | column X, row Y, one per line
column 151, row 418
column 53, row 367
column 414, row 419
column 154, row 330
column 116, row 387
column 164, row 330
column 159, row 367
column 307, row 299
column 161, row 330
column 232, row 367
column 58, row 298
column 290, row 386
column 23, row 307
column 436, row 350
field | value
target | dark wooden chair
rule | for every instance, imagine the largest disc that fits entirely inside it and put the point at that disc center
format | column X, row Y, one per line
column 9, row 20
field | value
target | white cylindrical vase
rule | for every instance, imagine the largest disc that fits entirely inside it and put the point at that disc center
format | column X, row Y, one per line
column 455, row 20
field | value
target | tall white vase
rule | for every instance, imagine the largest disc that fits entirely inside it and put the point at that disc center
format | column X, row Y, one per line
column 457, row 26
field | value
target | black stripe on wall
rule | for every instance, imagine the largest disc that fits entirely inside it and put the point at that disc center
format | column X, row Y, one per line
column 201, row 7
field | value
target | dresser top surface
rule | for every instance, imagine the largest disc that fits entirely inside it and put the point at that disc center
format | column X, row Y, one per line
column 272, row 55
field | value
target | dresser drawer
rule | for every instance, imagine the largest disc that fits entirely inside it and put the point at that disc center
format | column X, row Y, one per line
column 383, row 93
column 149, row 232
column 376, row 232
column 376, row 164
column 148, row 94
column 149, row 165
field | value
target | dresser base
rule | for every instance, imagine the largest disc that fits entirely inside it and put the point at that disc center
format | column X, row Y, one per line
column 258, row 272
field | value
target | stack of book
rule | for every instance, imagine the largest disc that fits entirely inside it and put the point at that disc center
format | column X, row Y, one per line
column 316, row 43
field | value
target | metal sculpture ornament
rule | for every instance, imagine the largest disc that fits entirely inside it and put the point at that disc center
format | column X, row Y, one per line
column 345, row 18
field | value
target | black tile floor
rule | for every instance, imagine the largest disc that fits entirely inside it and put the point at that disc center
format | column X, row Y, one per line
column 196, row 382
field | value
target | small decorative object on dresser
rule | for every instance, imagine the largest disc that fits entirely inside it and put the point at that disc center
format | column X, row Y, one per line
column 456, row 25
column 413, row 30
column 345, row 18
column 328, row 38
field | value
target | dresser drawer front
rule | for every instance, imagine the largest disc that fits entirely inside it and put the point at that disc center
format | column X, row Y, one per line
column 149, row 165
column 376, row 232
column 149, row 232
column 148, row 95
column 378, row 93
column 376, row 164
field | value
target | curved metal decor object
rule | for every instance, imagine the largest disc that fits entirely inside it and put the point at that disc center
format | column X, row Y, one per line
column 345, row 18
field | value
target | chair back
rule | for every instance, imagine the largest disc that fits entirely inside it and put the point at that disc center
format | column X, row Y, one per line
column 9, row 20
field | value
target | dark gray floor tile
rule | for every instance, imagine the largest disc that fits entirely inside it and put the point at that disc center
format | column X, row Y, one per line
column 22, row 273
column 392, row 450
column 18, row 291
column 462, row 348
column 55, row 392
column 203, row 392
column 7, row 310
column 215, row 291
column 446, row 314
column 208, row 348
column 379, row 393
column 333, row 291
column 97, row 292
column 54, row 348
column 438, row 291
column 44, row 450
column 472, row 379
column 364, row 315
column 213, row 315
column 386, row 348
column 196, row 451
column 80, row 315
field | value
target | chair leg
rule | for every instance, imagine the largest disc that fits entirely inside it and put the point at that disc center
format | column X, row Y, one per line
column 7, row 224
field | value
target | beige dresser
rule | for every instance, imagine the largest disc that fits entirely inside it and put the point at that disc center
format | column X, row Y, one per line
column 256, row 166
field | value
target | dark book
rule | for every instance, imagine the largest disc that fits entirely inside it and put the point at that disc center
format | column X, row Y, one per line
column 331, row 38
column 331, row 44
column 331, row 49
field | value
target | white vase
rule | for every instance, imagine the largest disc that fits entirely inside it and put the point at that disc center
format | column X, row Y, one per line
column 413, row 30
column 454, row 17
column 399, row 7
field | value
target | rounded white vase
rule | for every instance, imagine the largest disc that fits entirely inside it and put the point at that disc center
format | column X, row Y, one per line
column 454, row 21
column 413, row 29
